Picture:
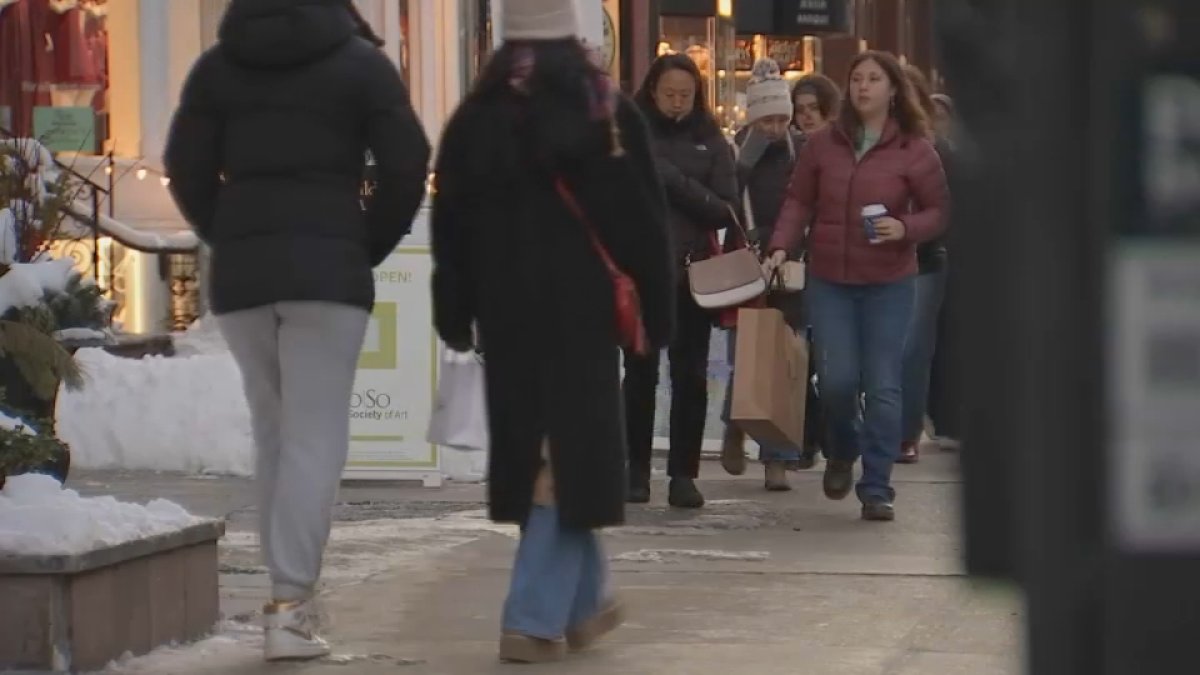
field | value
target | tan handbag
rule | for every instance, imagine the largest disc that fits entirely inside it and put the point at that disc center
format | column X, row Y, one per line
column 727, row 279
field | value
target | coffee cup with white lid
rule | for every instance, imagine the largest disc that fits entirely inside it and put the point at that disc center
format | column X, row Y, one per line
column 871, row 213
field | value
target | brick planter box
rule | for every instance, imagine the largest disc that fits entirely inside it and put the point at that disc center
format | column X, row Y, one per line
column 72, row 613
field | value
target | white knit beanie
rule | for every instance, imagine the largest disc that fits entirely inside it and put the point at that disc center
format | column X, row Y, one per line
column 767, row 93
column 538, row 19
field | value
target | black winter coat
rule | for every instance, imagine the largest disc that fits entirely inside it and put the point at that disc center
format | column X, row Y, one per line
column 766, row 178
column 266, row 155
column 932, row 255
column 695, row 164
column 763, row 181
column 509, row 256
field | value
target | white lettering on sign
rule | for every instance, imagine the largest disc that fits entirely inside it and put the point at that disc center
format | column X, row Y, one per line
column 1154, row 383
column 813, row 5
column 803, row 19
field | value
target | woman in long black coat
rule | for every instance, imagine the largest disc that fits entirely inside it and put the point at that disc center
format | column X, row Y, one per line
column 513, row 261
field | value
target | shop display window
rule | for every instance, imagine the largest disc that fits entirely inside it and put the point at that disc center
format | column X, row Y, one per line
column 710, row 42
column 54, row 72
column 796, row 56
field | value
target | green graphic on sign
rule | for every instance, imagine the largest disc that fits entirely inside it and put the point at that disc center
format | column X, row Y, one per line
column 384, row 323
column 65, row 129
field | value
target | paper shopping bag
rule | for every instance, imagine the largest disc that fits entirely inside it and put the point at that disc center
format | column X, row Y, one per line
column 770, row 373
column 459, row 418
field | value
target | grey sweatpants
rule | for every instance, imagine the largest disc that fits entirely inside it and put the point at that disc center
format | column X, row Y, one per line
column 298, row 361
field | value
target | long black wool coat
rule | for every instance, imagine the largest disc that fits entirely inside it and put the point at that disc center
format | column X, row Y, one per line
column 509, row 256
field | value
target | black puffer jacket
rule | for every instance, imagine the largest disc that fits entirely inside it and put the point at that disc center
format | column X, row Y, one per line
column 266, row 155
column 932, row 255
column 763, row 178
column 695, row 164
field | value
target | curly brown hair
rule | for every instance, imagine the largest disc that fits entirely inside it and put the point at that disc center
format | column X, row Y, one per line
column 905, row 109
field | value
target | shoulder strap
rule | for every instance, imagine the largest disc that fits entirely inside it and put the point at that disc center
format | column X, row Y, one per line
column 576, row 210
column 750, row 225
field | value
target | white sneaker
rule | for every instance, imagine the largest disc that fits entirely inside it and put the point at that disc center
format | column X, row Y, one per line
column 288, row 628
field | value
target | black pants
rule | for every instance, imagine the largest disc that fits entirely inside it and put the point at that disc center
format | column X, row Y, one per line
column 688, row 354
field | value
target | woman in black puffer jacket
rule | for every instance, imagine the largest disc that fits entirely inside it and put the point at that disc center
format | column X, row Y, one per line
column 696, row 166
column 266, row 156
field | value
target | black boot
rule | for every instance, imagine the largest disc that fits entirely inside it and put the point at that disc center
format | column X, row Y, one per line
column 684, row 494
column 639, row 485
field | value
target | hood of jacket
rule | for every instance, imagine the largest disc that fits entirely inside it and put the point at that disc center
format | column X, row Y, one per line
column 284, row 33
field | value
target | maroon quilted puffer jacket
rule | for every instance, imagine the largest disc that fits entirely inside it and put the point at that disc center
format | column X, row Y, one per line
column 829, row 189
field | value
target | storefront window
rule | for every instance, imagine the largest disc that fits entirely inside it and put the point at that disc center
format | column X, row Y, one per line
column 709, row 41
column 476, row 34
column 54, row 72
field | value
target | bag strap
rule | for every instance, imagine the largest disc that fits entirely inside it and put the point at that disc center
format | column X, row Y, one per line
column 750, row 224
column 576, row 210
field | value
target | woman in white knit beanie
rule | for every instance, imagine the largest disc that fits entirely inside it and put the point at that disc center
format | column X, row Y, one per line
column 544, row 173
column 766, row 154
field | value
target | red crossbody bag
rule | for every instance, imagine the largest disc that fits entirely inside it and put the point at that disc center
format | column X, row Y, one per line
column 627, row 302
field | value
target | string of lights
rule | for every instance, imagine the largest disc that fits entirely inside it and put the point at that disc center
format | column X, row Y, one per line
column 139, row 169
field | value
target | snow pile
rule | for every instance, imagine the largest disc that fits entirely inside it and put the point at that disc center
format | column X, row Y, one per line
column 39, row 517
column 26, row 284
column 185, row 413
column 202, row 337
column 9, row 244
column 163, row 414
column 81, row 334
column 14, row 423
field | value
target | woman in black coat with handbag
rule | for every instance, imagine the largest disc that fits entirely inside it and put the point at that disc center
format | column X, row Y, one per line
column 542, row 132
column 695, row 164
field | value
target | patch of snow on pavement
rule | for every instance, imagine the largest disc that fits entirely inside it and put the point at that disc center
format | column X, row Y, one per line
column 202, row 337
column 235, row 644
column 236, row 647
column 359, row 550
column 670, row 555
column 183, row 413
column 39, row 517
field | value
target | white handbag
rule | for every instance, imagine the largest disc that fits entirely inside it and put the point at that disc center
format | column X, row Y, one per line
column 459, row 418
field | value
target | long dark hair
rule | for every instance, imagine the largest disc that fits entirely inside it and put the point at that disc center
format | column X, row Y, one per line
column 543, row 101
column 700, row 121
column 904, row 109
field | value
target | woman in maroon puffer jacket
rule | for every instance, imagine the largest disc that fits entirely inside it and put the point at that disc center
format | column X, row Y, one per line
column 861, row 280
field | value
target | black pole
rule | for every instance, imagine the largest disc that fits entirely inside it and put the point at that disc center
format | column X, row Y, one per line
column 96, row 234
column 111, row 171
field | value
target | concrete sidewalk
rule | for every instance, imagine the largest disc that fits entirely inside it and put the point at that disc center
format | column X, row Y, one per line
column 756, row 582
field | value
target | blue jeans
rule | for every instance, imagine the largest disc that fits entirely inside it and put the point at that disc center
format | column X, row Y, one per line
column 859, row 334
column 767, row 452
column 559, row 579
column 919, row 351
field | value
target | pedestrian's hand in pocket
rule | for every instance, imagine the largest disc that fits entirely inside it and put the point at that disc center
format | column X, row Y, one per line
column 889, row 229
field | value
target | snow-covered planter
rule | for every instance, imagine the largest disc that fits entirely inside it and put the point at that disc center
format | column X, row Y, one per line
column 85, row 580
